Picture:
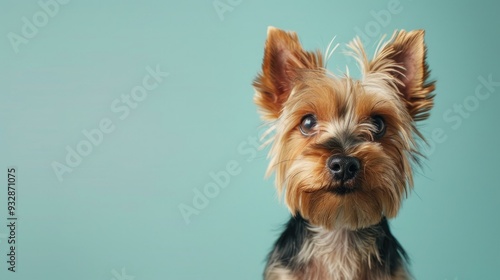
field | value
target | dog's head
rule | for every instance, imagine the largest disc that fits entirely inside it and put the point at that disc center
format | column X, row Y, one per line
column 342, row 148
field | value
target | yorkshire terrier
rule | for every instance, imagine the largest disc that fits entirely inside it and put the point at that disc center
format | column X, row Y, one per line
column 342, row 153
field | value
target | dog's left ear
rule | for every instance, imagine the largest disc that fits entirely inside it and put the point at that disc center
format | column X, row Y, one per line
column 284, row 59
column 404, row 57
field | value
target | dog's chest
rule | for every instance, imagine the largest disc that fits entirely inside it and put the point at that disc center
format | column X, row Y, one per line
column 339, row 255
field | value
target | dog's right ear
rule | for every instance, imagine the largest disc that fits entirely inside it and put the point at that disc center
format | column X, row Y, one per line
column 283, row 60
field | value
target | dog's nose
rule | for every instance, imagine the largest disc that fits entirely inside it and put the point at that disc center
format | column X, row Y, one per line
column 343, row 167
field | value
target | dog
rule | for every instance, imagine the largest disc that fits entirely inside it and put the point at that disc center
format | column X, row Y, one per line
column 342, row 151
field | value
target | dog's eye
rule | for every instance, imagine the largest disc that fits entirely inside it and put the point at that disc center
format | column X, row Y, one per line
column 308, row 125
column 379, row 124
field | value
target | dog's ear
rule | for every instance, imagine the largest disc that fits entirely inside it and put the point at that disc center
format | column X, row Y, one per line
column 404, row 57
column 284, row 58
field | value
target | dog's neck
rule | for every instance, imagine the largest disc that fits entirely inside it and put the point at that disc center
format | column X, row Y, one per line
column 341, row 253
column 318, row 253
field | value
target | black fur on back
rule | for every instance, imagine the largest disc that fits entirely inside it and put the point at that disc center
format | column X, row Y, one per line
column 391, row 252
column 290, row 242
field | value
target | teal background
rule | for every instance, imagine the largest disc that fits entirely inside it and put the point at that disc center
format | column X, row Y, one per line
column 119, row 208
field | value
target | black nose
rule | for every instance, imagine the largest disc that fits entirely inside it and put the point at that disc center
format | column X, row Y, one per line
column 343, row 168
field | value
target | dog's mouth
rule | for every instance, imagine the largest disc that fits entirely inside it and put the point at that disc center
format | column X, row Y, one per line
column 343, row 188
column 337, row 188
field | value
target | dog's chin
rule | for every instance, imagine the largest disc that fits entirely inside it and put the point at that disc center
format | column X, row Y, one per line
column 349, row 205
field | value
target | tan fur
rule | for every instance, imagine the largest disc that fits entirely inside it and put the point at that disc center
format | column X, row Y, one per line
column 293, row 83
column 278, row 272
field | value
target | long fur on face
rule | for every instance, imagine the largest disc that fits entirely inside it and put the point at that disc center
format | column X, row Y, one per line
column 294, row 83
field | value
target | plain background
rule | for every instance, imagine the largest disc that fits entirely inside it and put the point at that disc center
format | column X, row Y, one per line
column 116, row 215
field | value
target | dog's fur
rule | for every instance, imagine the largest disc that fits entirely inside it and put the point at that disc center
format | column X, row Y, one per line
column 339, row 228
